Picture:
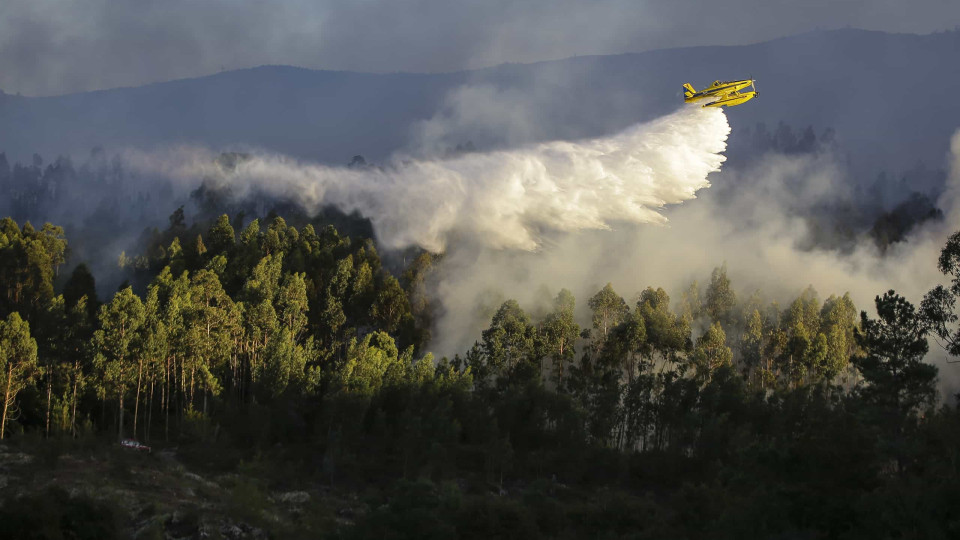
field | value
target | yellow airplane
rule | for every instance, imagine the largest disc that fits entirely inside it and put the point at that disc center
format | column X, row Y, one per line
column 722, row 93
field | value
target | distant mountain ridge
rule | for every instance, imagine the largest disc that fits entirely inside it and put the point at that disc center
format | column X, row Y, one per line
column 892, row 99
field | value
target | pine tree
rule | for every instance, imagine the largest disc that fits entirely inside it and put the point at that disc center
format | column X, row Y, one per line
column 892, row 364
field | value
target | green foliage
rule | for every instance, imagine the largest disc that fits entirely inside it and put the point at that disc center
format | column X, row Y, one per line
column 372, row 363
column 118, row 347
column 390, row 305
column 29, row 260
column 666, row 333
column 939, row 306
column 892, row 362
column 711, row 352
column 509, row 345
column 559, row 334
column 720, row 298
column 838, row 324
column 221, row 236
column 18, row 364
column 608, row 309
column 301, row 352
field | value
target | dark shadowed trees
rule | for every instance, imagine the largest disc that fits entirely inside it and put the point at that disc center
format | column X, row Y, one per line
column 892, row 364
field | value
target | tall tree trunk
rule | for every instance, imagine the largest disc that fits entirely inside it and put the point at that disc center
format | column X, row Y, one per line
column 560, row 367
column 146, row 435
column 6, row 400
column 183, row 389
column 73, row 400
column 120, row 422
column 165, row 399
column 49, row 392
column 120, row 392
column 136, row 403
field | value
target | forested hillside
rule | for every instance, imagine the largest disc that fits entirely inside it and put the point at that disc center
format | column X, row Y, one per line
column 294, row 356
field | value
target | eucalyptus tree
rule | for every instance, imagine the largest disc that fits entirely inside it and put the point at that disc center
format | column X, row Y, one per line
column 259, row 316
column 560, row 332
column 623, row 353
column 155, row 351
column 667, row 334
column 720, row 299
column 753, row 366
column 939, row 306
column 221, row 237
column 838, row 322
column 118, row 344
column 372, row 363
column 173, row 311
column 609, row 309
column 288, row 353
column 667, row 343
column 76, row 339
column 711, row 352
column 292, row 306
column 29, row 261
column 18, row 363
column 691, row 303
column 361, row 292
column 390, row 305
column 508, row 344
column 211, row 322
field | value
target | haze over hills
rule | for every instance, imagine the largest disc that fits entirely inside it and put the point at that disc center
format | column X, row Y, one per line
column 890, row 98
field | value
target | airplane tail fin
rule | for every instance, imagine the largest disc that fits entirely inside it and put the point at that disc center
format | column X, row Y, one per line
column 688, row 91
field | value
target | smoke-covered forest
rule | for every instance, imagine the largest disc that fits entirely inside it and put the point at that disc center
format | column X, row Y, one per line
column 479, row 270
column 279, row 370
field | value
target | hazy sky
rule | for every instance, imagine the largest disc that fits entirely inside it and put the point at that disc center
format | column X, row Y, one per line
column 60, row 46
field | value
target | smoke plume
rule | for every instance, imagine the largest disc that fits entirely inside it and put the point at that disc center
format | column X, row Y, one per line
column 524, row 223
column 508, row 199
column 758, row 228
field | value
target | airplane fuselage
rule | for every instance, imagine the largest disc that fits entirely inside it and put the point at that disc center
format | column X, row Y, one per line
column 721, row 93
column 719, row 88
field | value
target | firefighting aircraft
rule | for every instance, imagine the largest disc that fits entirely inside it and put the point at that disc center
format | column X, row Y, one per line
column 722, row 93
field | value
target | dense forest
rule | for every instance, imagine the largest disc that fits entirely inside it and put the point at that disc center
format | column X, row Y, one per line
column 294, row 356
column 278, row 366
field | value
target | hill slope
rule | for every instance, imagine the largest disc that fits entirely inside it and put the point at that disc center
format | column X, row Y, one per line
column 890, row 97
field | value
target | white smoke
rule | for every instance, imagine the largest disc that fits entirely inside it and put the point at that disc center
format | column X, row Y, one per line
column 754, row 230
column 503, row 199
column 524, row 223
